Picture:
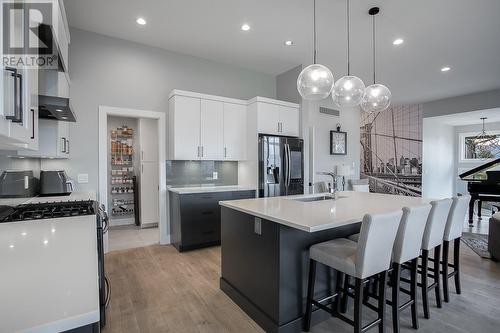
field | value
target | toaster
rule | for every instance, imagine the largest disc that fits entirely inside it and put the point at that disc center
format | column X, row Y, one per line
column 54, row 183
column 18, row 184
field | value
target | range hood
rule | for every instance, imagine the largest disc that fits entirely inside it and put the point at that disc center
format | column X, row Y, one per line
column 53, row 98
column 56, row 108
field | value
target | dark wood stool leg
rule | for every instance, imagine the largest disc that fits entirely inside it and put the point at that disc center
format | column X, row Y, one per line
column 425, row 298
column 358, row 305
column 396, row 275
column 446, row 249
column 413, row 292
column 345, row 298
column 310, row 294
column 338, row 286
column 437, row 280
column 381, row 301
column 456, row 263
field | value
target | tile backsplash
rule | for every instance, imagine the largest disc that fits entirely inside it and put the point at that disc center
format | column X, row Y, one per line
column 197, row 173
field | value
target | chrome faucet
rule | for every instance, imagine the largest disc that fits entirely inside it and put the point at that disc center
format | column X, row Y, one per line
column 331, row 189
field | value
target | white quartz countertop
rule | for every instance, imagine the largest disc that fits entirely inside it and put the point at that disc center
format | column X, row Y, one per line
column 349, row 208
column 208, row 189
column 49, row 280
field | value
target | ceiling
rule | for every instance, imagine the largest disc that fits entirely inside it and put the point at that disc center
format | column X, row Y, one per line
column 462, row 34
column 470, row 118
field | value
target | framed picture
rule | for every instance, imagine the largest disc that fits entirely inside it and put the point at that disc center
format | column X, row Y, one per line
column 338, row 143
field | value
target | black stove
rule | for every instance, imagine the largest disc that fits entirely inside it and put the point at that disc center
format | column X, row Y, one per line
column 49, row 210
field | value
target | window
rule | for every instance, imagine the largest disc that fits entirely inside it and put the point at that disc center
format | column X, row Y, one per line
column 474, row 147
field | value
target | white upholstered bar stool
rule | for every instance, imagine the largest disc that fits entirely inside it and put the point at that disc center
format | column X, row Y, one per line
column 453, row 233
column 406, row 249
column 432, row 240
column 369, row 257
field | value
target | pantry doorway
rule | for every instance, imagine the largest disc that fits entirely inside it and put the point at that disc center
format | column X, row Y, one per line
column 132, row 180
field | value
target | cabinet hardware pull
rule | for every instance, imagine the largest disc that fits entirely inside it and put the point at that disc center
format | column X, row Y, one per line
column 33, row 124
column 67, row 147
column 225, row 152
column 201, row 151
column 142, row 154
column 198, row 153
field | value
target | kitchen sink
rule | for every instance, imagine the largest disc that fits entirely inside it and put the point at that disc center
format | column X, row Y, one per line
column 321, row 198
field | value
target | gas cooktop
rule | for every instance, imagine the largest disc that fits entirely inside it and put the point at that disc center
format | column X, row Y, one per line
column 48, row 210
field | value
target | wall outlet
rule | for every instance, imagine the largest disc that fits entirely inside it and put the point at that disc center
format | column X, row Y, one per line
column 215, row 175
column 83, row 178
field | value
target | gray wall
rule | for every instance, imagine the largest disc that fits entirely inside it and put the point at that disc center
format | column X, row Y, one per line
column 286, row 85
column 114, row 72
column 472, row 102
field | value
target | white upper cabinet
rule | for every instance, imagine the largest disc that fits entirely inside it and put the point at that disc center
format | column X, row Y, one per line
column 184, row 128
column 276, row 117
column 212, row 130
column 205, row 127
column 235, row 129
column 53, row 140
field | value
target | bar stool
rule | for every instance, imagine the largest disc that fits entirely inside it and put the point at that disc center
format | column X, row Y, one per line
column 453, row 232
column 406, row 248
column 369, row 257
column 433, row 238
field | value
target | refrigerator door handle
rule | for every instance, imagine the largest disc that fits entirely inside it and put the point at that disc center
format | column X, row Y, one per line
column 289, row 164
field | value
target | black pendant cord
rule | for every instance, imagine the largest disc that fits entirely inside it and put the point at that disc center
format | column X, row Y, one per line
column 373, row 11
column 374, row 62
column 314, row 31
column 348, row 41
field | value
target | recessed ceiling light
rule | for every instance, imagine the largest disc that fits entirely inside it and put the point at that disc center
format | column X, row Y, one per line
column 59, row 110
column 245, row 27
column 398, row 41
column 289, row 42
column 445, row 69
column 64, row 117
column 141, row 21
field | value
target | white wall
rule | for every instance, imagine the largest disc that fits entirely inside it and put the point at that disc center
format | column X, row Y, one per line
column 114, row 72
column 317, row 126
column 438, row 162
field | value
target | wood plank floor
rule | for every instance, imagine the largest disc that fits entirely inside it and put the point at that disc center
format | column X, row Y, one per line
column 157, row 289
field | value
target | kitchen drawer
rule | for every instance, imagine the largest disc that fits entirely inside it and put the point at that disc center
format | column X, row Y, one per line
column 238, row 195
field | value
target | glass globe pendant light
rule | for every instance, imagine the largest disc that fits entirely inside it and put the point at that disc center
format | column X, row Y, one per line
column 377, row 97
column 349, row 89
column 315, row 82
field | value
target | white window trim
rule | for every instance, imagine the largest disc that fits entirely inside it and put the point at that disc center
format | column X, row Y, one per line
column 461, row 144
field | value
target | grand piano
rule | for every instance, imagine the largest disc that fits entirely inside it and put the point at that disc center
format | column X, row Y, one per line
column 483, row 185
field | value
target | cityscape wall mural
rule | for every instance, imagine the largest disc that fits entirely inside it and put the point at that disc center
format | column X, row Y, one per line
column 391, row 150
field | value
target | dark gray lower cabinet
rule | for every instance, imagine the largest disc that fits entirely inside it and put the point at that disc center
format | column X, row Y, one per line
column 195, row 217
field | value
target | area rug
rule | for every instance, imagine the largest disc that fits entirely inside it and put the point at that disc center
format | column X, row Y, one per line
column 478, row 243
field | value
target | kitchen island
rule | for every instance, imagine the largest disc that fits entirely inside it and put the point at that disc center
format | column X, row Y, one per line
column 265, row 244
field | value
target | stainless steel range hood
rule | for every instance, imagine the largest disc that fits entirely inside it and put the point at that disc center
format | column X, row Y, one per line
column 56, row 108
column 53, row 98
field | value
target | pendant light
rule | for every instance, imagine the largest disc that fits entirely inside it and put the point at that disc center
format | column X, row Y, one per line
column 315, row 82
column 377, row 97
column 483, row 145
column 349, row 89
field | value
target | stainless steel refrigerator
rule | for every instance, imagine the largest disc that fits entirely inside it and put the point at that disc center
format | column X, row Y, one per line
column 281, row 166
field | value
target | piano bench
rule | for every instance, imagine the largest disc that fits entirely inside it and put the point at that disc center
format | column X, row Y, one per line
column 494, row 236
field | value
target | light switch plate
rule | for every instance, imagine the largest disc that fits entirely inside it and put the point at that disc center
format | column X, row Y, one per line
column 215, row 175
column 83, row 178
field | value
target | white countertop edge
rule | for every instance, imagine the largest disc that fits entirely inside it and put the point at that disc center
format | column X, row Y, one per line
column 209, row 189
column 66, row 323
column 288, row 223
